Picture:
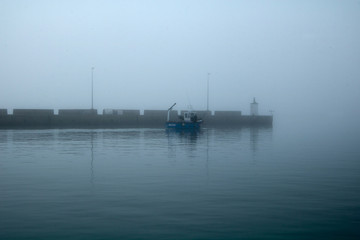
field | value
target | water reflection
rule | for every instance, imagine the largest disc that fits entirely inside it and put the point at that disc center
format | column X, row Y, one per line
column 189, row 135
column 132, row 175
column 260, row 138
column 254, row 139
column 211, row 139
column 83, row 147
column 92, row 159
column 32, row 136
column 3, row 139
column 3, row 136
column 183, row 139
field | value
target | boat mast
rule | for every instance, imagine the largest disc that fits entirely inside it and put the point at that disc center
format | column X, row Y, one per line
column 170, row 108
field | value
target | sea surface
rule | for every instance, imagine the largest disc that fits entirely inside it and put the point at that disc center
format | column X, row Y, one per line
column 243, row 183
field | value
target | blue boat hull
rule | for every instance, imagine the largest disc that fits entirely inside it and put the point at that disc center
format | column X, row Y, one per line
column 183, row 125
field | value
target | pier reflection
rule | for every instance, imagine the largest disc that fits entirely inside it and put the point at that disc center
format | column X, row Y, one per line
column 3, row 139
column 259, row 136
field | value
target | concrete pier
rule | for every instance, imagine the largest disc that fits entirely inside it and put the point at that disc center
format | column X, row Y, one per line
column 89, row 118
column 3, row 112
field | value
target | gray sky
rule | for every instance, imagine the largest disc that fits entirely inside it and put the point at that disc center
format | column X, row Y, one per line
column 295, row 57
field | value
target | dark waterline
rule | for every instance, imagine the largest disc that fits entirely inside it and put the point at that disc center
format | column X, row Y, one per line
column 250, row 183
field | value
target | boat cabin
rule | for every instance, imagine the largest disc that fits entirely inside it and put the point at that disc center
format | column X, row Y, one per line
column 190, row 117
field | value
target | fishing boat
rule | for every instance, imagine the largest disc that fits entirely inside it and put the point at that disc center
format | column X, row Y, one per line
column 189, row 120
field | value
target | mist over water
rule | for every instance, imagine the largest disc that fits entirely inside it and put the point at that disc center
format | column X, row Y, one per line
column 298, row 58
column 296, row 180
column 251, row 183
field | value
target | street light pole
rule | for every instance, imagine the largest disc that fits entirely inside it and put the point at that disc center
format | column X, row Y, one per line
column 207, row 105
column 92, row 88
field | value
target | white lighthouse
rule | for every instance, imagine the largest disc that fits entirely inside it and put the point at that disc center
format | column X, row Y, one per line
column 254, row 108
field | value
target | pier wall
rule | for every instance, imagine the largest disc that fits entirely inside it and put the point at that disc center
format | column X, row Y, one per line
column 33, row 112
column 77, row 112
column 89, row 118
column 68, row 118
column 223, row 119
column 121, row 118
column 156, row 118
column 3, row 112
column 227, row 114
column 27, row 117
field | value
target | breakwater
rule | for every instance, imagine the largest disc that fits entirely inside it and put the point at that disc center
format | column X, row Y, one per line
column 115, row 118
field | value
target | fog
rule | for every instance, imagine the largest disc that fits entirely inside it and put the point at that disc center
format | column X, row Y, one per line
column 298, row 58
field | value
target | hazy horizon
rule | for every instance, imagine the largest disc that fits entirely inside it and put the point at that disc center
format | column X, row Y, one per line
column 296, row 57
column 130, row 177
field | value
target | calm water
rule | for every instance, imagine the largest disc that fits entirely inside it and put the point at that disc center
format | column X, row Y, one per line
column 151, row 184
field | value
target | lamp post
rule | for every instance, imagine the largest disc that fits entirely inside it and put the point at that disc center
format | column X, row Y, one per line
column 92, row 88
column 207, row 103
